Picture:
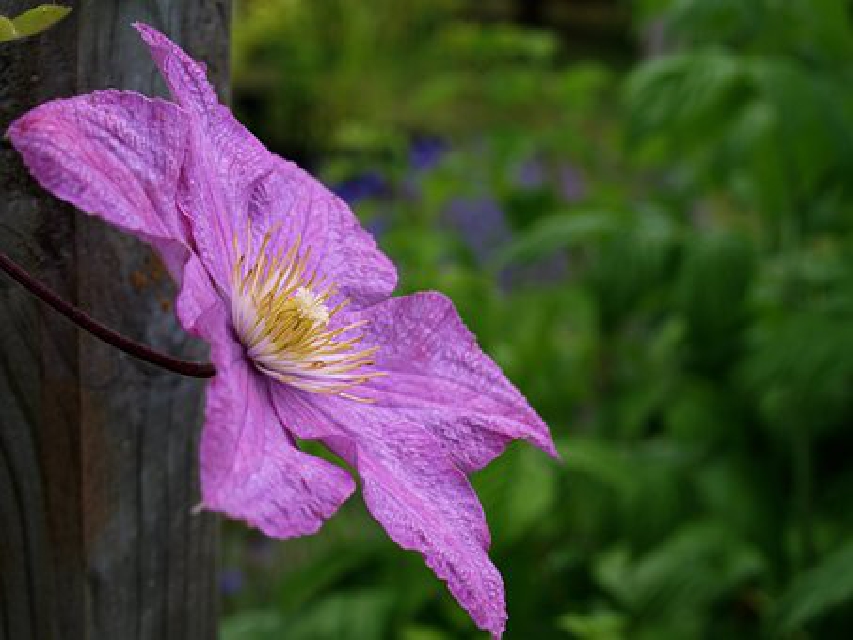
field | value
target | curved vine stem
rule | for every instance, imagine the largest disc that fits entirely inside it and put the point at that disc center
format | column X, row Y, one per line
column 85, row 321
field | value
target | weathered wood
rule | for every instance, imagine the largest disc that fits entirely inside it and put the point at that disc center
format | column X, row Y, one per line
column 98, row 452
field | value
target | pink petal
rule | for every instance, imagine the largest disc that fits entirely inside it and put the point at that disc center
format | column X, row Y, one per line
column 224, row 161
column 116, row 155
column 232, row 179
column 445, row 409
column 199, row 308
column 250, row 468
column 439, row 378
column 292, row 204
column 412, row 487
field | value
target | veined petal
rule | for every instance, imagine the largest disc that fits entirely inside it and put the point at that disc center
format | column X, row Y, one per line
column 224, row 160
column 443, row 409
column 250, row 467
column 438, row 377
column 230, row 151
column 414, row 490
column 199, row 308
column 233, row 181
column 116, row 155
column 291, row 204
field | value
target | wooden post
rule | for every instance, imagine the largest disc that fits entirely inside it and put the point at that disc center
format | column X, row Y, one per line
column 98, row 452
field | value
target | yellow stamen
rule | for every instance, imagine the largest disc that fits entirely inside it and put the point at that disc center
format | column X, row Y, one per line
column 281, row 315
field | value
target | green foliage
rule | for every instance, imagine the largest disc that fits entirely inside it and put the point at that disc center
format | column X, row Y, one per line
column 31, row 22
column 659, row 255
column 817, row 591
column 360, row 76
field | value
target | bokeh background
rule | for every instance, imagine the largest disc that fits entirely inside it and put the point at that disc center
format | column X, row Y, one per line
column 645, row 212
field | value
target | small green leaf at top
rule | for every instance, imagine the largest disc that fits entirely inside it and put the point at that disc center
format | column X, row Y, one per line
column 7, row 29
column 31, row 22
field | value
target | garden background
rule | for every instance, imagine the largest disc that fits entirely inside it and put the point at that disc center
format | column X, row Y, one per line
column 644, row 210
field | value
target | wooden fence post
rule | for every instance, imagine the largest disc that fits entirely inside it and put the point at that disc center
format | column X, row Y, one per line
column 98, row 452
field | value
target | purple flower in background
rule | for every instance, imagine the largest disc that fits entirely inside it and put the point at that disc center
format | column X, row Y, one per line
column 425, row 152
column 378, row 225
column 530, row 174
column 231, row 581
column 572, row 184
column 362, row 187
column 276, row 274
column 482, row 224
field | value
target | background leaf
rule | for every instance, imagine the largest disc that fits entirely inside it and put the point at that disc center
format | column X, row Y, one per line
column 32, row 21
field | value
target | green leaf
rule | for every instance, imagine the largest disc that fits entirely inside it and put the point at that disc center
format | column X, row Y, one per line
column 298, row 587
column 817, row 590
column 519, row 489
column 31, row 22
column 252, row 625
column 7, row 29
column 419, row 632
column 363, row 614
column 600, row 625
column 558, row 231
column 602, row 462
column 39, row 19
column 656, row 584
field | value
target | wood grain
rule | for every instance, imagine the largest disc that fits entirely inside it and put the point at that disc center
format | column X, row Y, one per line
column 98, row 452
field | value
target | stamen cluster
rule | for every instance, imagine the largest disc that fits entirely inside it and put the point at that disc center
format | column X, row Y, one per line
column 281, row 315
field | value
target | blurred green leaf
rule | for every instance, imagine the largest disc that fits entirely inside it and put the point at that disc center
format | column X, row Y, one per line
column 558, row 231
column 601, row 625
column 7, row 29
column 301, row 586
column 423, row 633
column 252, row 625
column 32, row 21
column 813, row 593
column 600, row 461
column 715, row 282
column 520, row 490
column 363, row 614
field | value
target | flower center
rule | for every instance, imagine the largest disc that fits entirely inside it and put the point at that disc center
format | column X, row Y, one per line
column 281, row 315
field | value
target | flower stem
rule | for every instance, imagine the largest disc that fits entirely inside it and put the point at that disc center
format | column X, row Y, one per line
column 85, row 321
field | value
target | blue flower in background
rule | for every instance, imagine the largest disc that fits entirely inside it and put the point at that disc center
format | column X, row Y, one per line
column 367, row 185
column 482, row 224
column 378, row 225
column 530, row 174
column 425, row 152
column 572, row 183
column 231, row 581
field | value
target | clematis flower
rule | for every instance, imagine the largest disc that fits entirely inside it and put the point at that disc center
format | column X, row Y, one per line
column 293, row 296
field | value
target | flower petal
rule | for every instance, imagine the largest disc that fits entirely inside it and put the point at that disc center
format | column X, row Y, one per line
column 414, row 490
column 230, row 170
column 438, row 377
column 116, row 155
column 224, row 160
column 250, row 467
column 199, row 308
column 444, row 410
column 292, row 204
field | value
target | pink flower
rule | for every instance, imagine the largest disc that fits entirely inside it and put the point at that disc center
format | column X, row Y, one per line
column 293, row 297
